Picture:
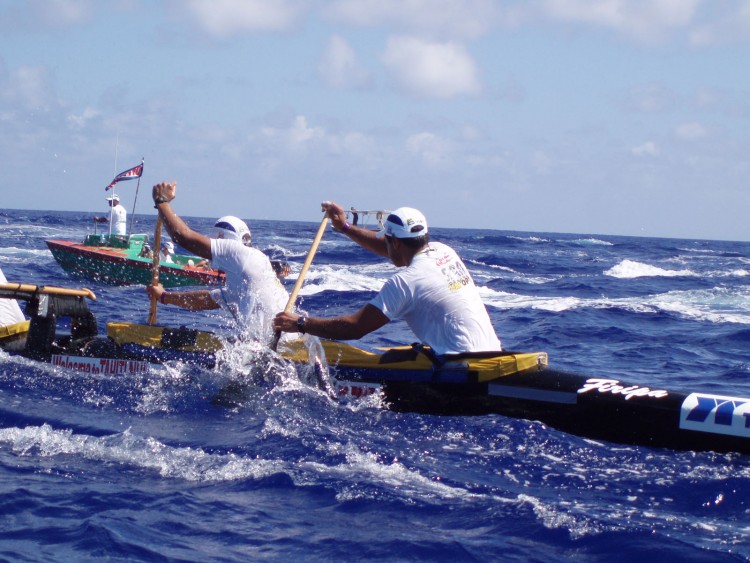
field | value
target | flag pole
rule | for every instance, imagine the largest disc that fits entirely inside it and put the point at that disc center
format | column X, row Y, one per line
column 111, row 215
column 135, row 199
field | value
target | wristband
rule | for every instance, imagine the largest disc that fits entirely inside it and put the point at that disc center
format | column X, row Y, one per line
column 161, row 298
column 301, row 324
column 159, row 200
column 346, row 227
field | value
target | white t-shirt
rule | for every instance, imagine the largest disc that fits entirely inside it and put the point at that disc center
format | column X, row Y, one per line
column 10, row 311
column 118, row 218
column 437, row 298
column 252, row 292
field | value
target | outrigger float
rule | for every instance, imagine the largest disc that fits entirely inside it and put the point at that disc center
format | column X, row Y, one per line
column 408, row 378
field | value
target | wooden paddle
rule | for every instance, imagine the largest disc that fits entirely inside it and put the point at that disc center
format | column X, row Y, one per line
column 155, row 269
column 23, row 290
column 302, row 274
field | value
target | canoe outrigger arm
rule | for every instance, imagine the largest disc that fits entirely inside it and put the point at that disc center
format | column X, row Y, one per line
column 43, row 306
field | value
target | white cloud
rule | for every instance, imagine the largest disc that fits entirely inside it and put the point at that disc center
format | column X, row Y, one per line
column 541, row 162
column 643, row 20
column 728, row 22
column 79, row 121
column 227, row 18
column 339, row 67
column 46, row 14
column 464, row 19
column 428, row 146
column 649, row 148
column 431, row 70
column 651, row 98
column 296, row 137
column 300, row 137
column 690, row 131
column 28, row 87
column 62, row 13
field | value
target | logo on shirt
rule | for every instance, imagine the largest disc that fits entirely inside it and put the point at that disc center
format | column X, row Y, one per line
column 456, row 275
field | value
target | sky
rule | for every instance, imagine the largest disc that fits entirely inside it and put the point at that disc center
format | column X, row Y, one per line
column 619, row 117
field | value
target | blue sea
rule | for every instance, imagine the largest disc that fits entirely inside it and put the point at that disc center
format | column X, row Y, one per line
column 146, row 468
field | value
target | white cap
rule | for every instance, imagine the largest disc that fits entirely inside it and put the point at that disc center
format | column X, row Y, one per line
column 405, row 222
column 167, row 245
column 233, row 228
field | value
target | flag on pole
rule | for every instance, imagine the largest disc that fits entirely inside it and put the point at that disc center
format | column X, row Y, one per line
column 130, row 174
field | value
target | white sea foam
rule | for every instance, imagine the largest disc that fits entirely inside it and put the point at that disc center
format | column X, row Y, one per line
column 716, row 305
column 13, row 251
column 628, row 269
column 491, row 266
column 330, row 278
column 278, row 250
column 529, row 239
column 590, row 241
column 191, row 464
column 504, row 300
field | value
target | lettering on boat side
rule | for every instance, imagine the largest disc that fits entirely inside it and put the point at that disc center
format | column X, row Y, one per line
column 614, row 387
column 102, row 366
column 716, row 414
column 356, row 389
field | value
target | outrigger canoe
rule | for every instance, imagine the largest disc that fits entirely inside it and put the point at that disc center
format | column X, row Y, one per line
column 408, row 378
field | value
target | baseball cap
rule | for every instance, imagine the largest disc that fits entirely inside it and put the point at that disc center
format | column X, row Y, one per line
column 405, row 222
column 233, row 228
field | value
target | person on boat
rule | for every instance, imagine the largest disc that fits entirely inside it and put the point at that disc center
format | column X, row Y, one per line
column 117, row 217
column 146, row 251
column 355, row 216
column 434, row 293
column 252, row 292
column 165, row 254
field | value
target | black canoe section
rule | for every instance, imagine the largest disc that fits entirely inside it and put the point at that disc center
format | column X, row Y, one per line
column 593, row 407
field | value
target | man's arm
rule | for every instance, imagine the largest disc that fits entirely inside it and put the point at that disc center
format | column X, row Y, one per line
column 348, row 327
column 199, row 300
column 366, row 238
column 181, row 234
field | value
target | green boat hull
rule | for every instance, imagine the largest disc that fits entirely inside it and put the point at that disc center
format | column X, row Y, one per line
column 117, row 260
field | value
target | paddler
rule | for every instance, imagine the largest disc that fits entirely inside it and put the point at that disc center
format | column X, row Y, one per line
column 252, row 292
column 433, row 292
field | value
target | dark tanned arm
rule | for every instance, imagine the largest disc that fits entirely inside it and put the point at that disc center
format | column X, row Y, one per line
column 348, row 327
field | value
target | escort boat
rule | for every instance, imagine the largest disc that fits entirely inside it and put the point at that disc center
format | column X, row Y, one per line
column 407, row 379
column 126, row 260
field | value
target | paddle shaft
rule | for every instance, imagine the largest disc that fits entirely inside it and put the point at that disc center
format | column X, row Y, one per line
column 302, row 274
column 24, row 288
column 155, row 268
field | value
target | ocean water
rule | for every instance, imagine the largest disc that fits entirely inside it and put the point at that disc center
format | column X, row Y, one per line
column 147, row 469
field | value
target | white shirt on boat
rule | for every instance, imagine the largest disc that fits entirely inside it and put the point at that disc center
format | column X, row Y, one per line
column 253, row 292
column 437, row 298
column 118, row 219
column 10, row 311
